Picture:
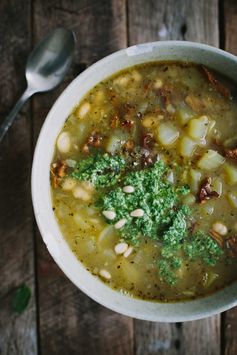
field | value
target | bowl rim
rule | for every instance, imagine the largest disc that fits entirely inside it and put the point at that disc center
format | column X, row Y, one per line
column 130, row 51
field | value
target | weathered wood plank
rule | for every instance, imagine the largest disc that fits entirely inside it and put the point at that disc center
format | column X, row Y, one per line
column 69, row 320
column 230, row 28
column 229, row 319
column 173, row 19
column 180, row 20
column 17, row 332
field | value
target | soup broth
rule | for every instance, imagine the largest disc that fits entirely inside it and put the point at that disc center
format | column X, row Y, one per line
column 144, row 181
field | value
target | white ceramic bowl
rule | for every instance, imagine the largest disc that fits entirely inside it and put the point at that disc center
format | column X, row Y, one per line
column 165, row 312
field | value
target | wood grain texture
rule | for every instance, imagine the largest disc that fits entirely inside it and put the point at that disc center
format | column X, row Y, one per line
column 70, row 321
column 229, row 318
column 230, row 25
column 153, row 20
column 17, row 332
column 176, row 20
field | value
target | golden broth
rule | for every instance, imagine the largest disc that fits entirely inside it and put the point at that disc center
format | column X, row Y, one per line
column 189, row 115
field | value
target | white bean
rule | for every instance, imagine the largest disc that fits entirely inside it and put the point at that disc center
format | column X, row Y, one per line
column 128, row 252
column 128, row 189
column 220, row 228
column 64, row 142
column 105, row 274
column 120, row 223
column 137, row 213
column 84, row 109
column 109, row 214
column 120, row 248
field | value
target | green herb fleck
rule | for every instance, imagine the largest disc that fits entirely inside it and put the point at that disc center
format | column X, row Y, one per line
column 21, row 298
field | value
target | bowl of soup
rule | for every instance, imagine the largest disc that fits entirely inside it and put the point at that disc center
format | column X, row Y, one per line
column 134, row 181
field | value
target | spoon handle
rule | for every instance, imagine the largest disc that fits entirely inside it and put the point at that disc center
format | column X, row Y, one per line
column 12, row 115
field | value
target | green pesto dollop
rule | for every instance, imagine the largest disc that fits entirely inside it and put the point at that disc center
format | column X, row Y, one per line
column 165, row 220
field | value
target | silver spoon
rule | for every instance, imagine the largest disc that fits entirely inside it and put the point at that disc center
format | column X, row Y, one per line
column 45, row 69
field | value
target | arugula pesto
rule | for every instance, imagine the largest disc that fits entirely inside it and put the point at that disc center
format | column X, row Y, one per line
column 165, row 219
column 157, row 197
column 102, row 170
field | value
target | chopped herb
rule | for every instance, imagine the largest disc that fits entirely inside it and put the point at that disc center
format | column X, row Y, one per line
column 102, row 170
column 21, row 298
column 202, row 246
column 167, row 268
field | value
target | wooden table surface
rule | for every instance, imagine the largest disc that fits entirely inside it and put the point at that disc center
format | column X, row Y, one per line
column 60, row 319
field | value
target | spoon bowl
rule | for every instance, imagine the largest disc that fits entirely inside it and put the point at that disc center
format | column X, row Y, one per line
column 49, row 61
column 46, row 67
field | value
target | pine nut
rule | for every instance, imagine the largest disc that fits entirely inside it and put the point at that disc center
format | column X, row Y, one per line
column 63, row 142
column 137, row 213
column 120, row 248
column 109, row 214
column 128, row 252
column 128, row 189
column 220, row 228
column 105, row 274
column 120, row 223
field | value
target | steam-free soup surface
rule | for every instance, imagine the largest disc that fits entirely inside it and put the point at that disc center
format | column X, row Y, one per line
column 144, row 181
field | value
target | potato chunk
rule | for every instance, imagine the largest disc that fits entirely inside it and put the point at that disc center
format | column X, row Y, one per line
column 187, row 147
column 183, row 116
column 210, row 160
column 167, row 134
column 231, row 174
column 197, row 128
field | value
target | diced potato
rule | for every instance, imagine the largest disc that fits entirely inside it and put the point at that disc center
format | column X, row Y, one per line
column 209, row 278
column 130, row 271
column 232, row 199
column 68, row 184
column 207, row 208
column 217, row 185
column 210, row 160
column 81, row 193
column 211, row 125
column 167, row 134
column 136, row 75
column 80, row 221
column 170, row 108
column 158, row 83
column 106, row 234
column 197, row 128
column 113, row 144
column 149, row 121
column 194, row 179
column 187, row 147
column 230, row 142
column 231, row 174
column 184, row 115
column 99, row 97
column 121, row 80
